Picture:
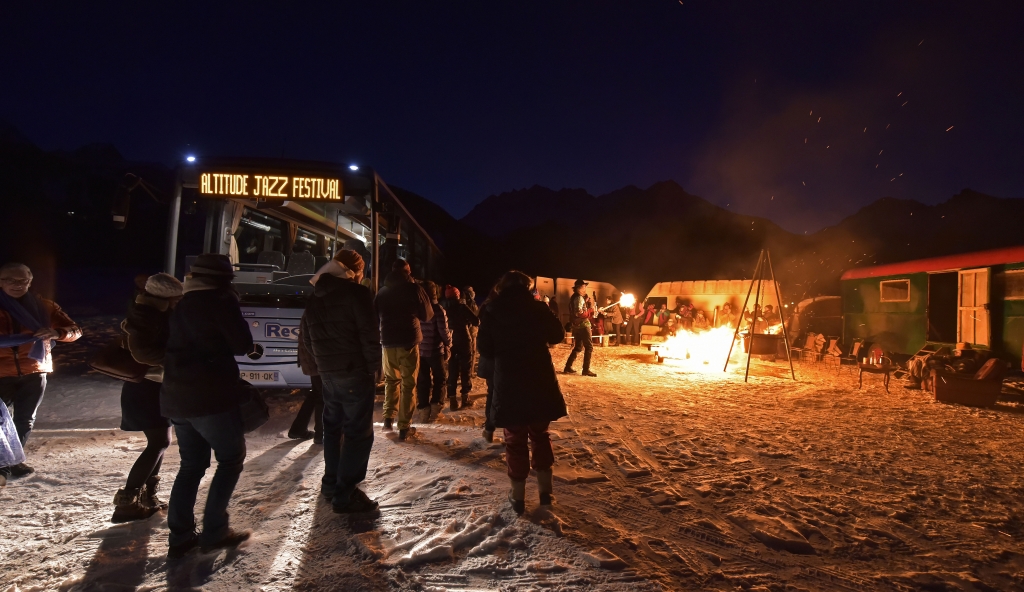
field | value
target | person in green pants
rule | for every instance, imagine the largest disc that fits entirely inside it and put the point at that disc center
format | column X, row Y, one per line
column 401, row 305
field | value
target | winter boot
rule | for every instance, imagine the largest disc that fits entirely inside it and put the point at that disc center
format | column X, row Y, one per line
column 149, row 497
column 129, row 508
column 466, row 403
column 517, row 496
column 544, row 486
column 435, row 410
column 488, row 435
column 453, row 404
column 21, row 469
column 387, row 423
column 231, row 539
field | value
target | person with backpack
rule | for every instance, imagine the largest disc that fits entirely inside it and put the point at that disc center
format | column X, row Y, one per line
column 146, row 328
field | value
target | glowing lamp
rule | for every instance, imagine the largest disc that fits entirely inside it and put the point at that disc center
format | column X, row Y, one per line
column 627, row 300
column 353, row 167
column 190, row 158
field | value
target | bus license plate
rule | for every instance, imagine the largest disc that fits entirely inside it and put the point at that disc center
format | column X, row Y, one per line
column 261, row 377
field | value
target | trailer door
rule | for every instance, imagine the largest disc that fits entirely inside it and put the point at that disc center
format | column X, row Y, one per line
column 973, row 319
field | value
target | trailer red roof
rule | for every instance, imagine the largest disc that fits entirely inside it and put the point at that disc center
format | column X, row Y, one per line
column 947, row 262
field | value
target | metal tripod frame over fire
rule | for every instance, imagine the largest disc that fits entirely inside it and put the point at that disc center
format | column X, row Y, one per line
column 759, row 270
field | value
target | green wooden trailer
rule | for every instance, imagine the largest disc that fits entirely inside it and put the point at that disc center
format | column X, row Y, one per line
column 976, row 298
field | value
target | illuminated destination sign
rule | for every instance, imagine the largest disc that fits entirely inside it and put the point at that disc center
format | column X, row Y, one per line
column 264, row 186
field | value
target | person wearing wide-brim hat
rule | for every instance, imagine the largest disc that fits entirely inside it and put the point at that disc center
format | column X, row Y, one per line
column 202, row 396
column 581, row 310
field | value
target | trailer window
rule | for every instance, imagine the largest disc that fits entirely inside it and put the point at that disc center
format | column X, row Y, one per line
column 895, row 291
column 1011, row 284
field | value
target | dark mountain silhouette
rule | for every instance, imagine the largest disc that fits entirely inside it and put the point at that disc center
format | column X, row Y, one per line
column 498, row 215
column 471, row 258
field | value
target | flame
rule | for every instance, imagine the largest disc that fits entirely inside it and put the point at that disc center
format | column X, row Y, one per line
column 627, row 300
column 703, row 351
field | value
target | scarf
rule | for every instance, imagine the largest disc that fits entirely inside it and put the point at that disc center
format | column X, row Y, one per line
column 29, row 314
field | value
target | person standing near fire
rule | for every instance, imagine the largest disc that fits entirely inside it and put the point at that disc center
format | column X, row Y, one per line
column 613, row 319
column 581, row 310
column 632, row 319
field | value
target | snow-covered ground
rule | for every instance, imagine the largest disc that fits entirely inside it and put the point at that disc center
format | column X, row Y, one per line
column 666, row 478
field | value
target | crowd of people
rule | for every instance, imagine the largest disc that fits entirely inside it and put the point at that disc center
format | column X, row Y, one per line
column 686, row 317
column 184, row 338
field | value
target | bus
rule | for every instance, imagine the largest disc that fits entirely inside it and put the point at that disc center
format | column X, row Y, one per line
column 278, row 221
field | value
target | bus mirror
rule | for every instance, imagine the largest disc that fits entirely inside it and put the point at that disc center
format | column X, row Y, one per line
column 119, row 211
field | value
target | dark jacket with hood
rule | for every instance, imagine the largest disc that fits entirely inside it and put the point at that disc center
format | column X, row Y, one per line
column 401, row 305
column 206, row 332
column 340, row 328
column 460, row 318
column 515, row 331
column 437, row 336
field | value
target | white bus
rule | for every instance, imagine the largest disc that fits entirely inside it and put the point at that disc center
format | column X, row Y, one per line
column 278, row 221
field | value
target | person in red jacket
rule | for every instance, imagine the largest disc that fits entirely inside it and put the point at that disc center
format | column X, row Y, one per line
column 28, row 327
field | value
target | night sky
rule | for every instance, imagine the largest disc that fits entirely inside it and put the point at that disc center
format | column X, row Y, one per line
column 798, row 111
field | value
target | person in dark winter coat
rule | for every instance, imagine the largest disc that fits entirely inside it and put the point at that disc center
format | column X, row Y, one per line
column 468, row 297
column 146, row 329
column 401, row 305
column 487, row 373
column 462, row 321
column 515, row 332
column 201, row 395
column 342, row 332
column 434, row 351
column 313, row 404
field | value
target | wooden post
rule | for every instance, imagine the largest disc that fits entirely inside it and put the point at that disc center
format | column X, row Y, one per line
column 785, row 335
column 744, row 308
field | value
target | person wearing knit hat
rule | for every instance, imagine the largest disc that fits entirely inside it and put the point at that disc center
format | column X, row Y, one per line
column 346, row 264
column 461, row 321
column 29, row 326
column 163, row 285
column 340, row 329
column 146, row 328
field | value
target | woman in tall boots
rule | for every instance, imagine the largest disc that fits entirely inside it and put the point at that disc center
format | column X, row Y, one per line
column 515, row 331
column 146, row 330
